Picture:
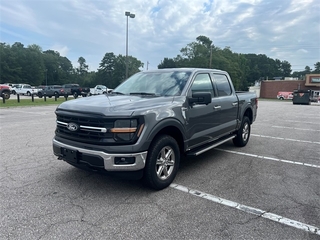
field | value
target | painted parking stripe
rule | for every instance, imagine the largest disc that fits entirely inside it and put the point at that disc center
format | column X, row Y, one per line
column 302, row 122
column 269, row 158
column 286, row 139
column 251, row 210
column 292, row 128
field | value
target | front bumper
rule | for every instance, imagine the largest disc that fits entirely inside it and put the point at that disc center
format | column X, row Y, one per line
column 98, row 159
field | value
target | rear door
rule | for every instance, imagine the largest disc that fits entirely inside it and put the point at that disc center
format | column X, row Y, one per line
column 229, row 104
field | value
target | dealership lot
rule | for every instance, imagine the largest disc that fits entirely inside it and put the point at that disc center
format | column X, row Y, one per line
column 269, row 189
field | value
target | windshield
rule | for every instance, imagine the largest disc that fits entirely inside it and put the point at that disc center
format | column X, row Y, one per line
column 155, row 83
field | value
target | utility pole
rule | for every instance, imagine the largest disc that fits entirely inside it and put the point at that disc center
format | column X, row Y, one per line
column 210, row 56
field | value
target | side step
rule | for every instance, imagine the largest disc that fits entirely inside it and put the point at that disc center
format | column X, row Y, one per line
column 207, row 147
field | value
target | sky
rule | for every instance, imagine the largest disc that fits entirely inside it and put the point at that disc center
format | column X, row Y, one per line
column 281, row 29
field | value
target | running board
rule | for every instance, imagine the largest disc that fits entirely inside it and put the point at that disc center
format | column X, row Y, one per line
column 207, row 147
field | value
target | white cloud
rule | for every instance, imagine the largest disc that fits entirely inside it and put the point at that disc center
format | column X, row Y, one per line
column 279, row 29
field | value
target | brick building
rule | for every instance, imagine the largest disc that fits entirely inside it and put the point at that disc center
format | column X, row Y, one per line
column 270, row 88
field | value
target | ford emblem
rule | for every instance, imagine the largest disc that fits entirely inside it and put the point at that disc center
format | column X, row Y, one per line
column 72, row 126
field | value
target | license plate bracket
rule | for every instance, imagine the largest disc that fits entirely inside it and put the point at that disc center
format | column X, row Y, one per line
column 70, row 155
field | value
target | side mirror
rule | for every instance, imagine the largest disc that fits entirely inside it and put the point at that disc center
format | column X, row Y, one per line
column 200, row 98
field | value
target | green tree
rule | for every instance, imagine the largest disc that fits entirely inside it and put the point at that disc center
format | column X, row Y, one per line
column 316, row 67
column 112, row 69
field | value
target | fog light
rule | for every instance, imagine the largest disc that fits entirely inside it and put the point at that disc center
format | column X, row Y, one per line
column 124, row 160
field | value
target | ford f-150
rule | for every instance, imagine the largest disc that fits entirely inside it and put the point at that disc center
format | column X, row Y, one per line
column 150, row 121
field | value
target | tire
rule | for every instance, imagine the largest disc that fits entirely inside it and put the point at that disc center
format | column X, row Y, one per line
column 14, row 92
column 40, row 95
column 281, row 98
column 28, row 93
column 5, row 95
column 75, row 94
column 162, row 162
column 243, row 134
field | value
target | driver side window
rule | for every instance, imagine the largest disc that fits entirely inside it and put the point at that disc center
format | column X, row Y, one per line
column 202, row 83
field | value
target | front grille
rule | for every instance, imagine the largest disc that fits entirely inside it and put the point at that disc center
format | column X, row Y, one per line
column 90, row 129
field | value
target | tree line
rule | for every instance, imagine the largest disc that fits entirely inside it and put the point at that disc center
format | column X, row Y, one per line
column 32, row 65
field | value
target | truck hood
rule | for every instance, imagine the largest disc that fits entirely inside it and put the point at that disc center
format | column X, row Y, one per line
column 108, row 105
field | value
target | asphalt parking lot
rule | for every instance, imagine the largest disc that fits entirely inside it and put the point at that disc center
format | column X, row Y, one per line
column 269, row 189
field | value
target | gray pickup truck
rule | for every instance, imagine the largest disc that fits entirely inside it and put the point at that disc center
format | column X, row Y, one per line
column 150, row 121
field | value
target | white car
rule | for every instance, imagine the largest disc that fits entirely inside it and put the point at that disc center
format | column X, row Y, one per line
column 26, row 89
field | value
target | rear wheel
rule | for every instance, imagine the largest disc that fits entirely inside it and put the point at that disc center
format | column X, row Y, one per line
column 40, row 95
column 162, row 162
column 243, row 133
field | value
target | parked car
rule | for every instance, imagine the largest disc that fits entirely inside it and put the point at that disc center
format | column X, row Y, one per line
column 285, row 95
column 75, row 90
column 50, row 91
column 151, row 120
column 26, row 89
column 99, row 89
column 4, row 91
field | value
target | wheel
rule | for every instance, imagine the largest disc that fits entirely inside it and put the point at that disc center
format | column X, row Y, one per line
column 56, row 94
column 5, row 95
column 162, row 162
column 40, row 95
column 243, row 133
column 14, row 92
column 28, row 93
column 75, row 94
column 281, row 98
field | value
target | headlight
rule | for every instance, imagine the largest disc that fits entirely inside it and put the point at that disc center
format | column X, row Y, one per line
column 124, row 130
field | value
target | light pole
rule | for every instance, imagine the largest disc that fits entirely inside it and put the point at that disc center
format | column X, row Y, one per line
column 131, row 15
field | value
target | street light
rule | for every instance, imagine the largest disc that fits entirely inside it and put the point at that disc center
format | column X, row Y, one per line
column 131, row 15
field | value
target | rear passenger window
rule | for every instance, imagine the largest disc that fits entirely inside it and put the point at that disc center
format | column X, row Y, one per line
column 223, row 85
column 202, row 83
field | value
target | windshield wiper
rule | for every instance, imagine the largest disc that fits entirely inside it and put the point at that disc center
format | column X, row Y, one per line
column 143, row 93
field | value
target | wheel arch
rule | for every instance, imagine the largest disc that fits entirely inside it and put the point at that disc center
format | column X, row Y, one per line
column 248, row 113
column 170, row 127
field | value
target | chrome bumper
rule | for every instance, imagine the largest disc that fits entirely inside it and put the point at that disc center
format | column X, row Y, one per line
column 108, row 158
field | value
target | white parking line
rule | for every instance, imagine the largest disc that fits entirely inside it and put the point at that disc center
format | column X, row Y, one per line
column 251, row 210
column 286, row 139
column 303, row 129
column 301, row 122
column 270, row 158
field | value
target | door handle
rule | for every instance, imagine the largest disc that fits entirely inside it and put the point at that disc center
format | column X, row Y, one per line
column 234, row 103
column 217, row 107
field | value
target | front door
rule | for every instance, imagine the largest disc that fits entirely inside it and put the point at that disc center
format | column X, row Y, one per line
column 202, row 120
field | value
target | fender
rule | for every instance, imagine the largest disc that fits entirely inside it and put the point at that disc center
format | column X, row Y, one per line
column 166, row 123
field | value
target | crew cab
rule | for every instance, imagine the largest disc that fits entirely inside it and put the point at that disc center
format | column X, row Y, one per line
column 50, row 91
column 26, row 89
column 144, row 127
column 75, row 90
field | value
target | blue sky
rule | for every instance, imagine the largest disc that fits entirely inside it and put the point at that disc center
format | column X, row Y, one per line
column 281, row 29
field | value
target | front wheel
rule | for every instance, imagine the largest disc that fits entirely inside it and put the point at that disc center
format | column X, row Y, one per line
column 162, row 162
column 75, row 94
column 5, row 95
column 243, row 133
